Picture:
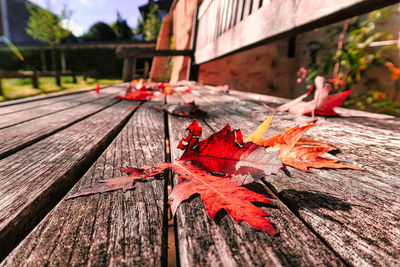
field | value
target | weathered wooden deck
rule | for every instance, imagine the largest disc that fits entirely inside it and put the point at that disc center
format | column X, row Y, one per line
column 54, row 147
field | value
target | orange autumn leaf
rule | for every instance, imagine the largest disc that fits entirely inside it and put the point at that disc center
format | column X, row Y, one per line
column 295, row 150
column 395, row 71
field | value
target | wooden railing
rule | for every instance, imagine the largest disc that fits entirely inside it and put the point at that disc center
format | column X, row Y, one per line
column 227, row 26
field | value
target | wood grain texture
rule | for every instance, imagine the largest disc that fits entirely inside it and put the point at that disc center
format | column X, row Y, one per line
column 222, row 242
column 355, row 212
column 34, row 179
column 278, row 19
column 19, row 136
column 58, row 104
column 114, row 228
column 52, row 95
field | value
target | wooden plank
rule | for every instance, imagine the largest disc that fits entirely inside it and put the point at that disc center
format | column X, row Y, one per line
column 256, row 5
column 352, row 211
column 246, row 9
column 45, row 100
column 28, row 105
column 34, row 179
column 218, row 14
column 19, row 136
column 229, row 15
column 212, row 20
column 239, row 11
column 58, row 94
column 224, row 15
column 204, row 7
column 234, row 12
column 303, row 16
column 114, row 228
column 59, row 104
column 222, row 242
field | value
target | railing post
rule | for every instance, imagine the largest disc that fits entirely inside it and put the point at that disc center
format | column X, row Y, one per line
column 146, row 69
column 74, row 78
column 58, row 78
column 1, row 89
column 133, row 67
column 193, row 72
column 35, row 79
column 127, row 70
column 63, row 62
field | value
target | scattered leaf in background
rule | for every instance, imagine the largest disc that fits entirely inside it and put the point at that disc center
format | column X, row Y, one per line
column 185, row 110
column 395, row 71
column 322, row 104
column 138, row 94
column 301, row 74
column 189, row 109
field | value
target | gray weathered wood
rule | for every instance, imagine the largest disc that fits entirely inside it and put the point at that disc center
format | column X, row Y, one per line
column 222, row 242
column 46, row 97
column 19, row 136
column 34, row 179
column 277, row 19
column 52, row 106
column 355, row 212
column 114, row 228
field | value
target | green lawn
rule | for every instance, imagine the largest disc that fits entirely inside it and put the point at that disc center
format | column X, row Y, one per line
column 14, row 88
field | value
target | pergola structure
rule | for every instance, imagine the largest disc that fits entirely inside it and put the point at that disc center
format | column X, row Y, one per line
column 62, row 47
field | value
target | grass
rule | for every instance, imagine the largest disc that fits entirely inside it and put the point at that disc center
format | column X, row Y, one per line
column 15, row 88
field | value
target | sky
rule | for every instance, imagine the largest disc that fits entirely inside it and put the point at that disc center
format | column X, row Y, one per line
column 87, row 12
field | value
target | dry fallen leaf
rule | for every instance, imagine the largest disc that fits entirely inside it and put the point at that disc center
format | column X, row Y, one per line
column 139, row 94
column 295, row 150
column 215, row 168
column 322, row 104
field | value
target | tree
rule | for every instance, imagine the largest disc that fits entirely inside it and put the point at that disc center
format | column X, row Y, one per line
column 150, row 26
column 45, row 26
column 121, row 28
column 100, row 31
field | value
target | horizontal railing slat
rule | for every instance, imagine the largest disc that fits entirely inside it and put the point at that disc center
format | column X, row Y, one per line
column 275, row 19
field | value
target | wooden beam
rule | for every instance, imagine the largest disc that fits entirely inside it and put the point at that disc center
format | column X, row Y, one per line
column 279, row 19
column 148, row 53
column 127, row 70
column 84, row 45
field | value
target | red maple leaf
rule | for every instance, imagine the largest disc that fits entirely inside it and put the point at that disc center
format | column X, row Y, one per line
column 225, row 153
column 97, row 88
column 220, row 193
column 138, row 94
column 215, row 168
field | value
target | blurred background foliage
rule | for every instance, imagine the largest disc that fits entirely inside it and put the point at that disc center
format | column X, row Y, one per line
column 346, row 59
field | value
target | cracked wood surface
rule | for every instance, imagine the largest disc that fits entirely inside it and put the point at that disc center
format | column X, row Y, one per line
column 114, row 228
column 355, row 212
column 35, row 178
column 204, row 242
column 22, row 134
column 325, row 217
column 53, row 105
